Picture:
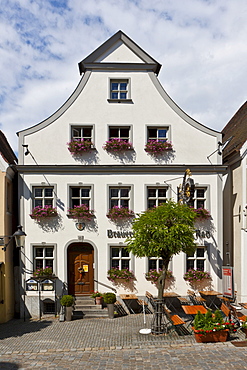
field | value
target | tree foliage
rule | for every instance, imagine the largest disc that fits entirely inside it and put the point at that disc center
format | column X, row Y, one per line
column 163, row 232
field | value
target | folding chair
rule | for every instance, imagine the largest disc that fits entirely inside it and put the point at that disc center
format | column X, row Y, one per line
column 144, row 304
column 239, row 317
column 196, row 300
column 120, row 309
column 226, row 311
column 150, row 299
column 177, row 323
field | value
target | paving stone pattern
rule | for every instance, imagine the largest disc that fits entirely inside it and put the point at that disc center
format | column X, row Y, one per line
column 109, row 344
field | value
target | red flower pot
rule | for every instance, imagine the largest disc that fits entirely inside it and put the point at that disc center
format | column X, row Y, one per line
column 214, row 336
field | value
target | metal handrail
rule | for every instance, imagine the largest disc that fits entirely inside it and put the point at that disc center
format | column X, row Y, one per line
column 107, row 286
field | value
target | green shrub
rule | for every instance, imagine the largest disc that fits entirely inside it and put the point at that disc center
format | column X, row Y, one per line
column 67, row 300
column 109, row 298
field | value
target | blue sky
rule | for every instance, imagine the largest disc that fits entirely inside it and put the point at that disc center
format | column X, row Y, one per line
column 201, row 45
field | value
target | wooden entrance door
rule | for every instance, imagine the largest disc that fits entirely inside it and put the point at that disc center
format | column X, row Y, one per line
column 80, row 269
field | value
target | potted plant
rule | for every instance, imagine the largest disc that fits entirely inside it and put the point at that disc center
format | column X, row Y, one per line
column 156, row 147
column 244, row 327
column 153, row 275
column 81, row 212
column 110, row 299
column 117, row 213
column 211, row 327
column 67, row 301
column 194, row 276
column 202, row 214
column 98, row 297
column 43, row 272
column 79, row 146
column 117, row 145
column 116, row 275
column 40, row 213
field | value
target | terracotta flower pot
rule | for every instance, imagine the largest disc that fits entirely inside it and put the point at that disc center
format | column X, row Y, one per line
column 98, row 300
column 214, row 336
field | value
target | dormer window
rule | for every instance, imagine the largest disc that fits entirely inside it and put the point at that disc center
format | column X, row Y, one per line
column 119, row 89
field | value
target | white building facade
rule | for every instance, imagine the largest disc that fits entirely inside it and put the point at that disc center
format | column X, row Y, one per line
column 118, row 96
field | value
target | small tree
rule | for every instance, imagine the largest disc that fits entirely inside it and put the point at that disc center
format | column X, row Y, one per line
column 163, row 232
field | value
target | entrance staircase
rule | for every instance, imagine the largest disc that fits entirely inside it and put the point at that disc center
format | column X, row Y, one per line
column 85, row 307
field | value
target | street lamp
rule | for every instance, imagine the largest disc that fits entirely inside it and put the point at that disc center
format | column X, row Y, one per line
column 19, row 236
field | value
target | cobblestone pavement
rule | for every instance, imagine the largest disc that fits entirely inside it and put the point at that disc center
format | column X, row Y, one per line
column 109, row 344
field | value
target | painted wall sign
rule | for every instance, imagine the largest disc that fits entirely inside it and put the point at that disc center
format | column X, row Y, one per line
column 119, row 234
column 202, row 234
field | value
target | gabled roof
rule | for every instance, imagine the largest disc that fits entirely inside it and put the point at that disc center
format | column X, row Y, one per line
column 93, row 60
column 237, row 129
column 6, row 150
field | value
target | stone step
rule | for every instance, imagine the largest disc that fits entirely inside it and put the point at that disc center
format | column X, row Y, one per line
column 88, row 307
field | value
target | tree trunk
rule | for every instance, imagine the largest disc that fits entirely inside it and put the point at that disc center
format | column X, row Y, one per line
column 162, row 278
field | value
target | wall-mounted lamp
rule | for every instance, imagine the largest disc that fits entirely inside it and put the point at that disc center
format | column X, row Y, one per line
column 26, row 146
column 19, row 236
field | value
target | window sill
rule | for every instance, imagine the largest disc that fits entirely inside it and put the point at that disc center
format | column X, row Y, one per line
column 120, row 101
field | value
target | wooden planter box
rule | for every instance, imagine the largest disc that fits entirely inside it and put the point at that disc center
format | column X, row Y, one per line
column 215, row 336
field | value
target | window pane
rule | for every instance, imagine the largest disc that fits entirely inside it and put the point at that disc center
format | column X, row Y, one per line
column 200, row 264
column 76, row 132
column 87, row 132
column 151, row 192
column 125, row 253
column 124, row 132
column 48, row 202
column 49, row 263
column 114, row 95
column 113, row 203
column 190, row 264
column 124, row 192
column 38, row 202
column 39, row 252
column 85, row 193
column 49, row 252
column 86, row 202
column 200, row 252
column 48, row 192
column 123, row 86
column 114, row 86
column 75, row 192
column 75, row 202
column 114, row 132
column 38, row 264
column 152, row 133
column 161, row 202
column 200, row 203
column 123, row 95
column 115, row 252
column 114, row 193
column 38, row 192
column 115, row 263
column 124, row 203
column 200, row 193
column 162, row 193
column 162, row 133
column 152, row 264
column 125, row 264
column 151, row 203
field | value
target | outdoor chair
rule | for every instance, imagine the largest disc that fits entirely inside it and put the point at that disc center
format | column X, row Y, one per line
column 196, row 300
column 238, row 316
column 226, row 311
column 120, row 309
column 184, row 301
column 177, row 323
column 144, row 304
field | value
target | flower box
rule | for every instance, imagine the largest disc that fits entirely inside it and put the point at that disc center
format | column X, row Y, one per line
column 193, row 276
column 153, row 275
column 81, row 212
column 120, row 214
column 43, row 272
column 40, row 213
column 117, row 146
column 120, row 276
column 80, row 146
column 156, row 147
column 212, row 336
column 202, row 214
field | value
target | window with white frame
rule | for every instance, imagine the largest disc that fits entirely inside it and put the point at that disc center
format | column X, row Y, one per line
column 196, row 260
column 199, row 199
column 43, row 196
column 157, row 133
column 80, row 195
column 120, row 196
column 155, row 263
column 122, row 133
column 156, row 196
column 119, row 89
column 120, row 258
column 82, row 132
column 43, row 257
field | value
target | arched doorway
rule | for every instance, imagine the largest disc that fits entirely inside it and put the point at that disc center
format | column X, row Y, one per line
column 80, row 269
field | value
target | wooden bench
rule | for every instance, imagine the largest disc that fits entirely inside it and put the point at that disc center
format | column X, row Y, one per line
column 177, row 322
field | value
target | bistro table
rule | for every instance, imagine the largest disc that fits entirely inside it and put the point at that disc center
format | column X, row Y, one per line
column 211, row 297
column 131, row 301
column 192, row 310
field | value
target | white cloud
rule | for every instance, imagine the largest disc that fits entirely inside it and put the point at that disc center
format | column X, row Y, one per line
column 201, row 47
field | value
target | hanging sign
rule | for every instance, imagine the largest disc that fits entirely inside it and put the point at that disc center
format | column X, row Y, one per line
column 228, row 283
column 85, row 268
